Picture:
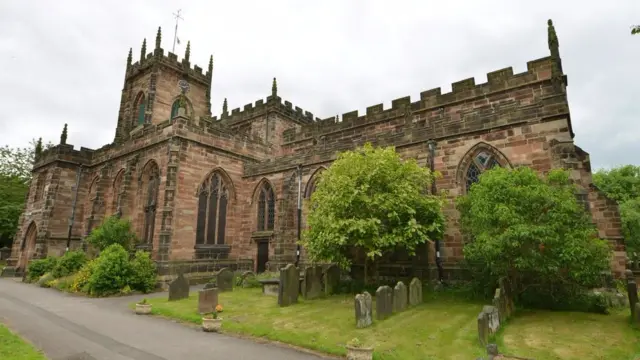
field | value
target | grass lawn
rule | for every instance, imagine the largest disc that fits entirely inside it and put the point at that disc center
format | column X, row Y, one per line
column 547, row 335
column 442, row 328
column 12, row 347
column 435, row 330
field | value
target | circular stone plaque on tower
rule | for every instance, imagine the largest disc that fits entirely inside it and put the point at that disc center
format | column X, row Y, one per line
column 184, row 86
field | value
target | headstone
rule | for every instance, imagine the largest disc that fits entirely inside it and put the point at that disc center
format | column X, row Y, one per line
column 400, row 297
column 364, row 310
column 331, row 279
column 224, row 280
column 492, row 351
column 289, row 286
column 207, row 300
column 179, row 288
column 415, row 292
column 270, row 287
column 210, row 286
column 493, row 318
column 384, row 302
column 312, row 282
column 499, row 302
column 247, row 278
column 483, row 328
column 632, row 291
column 507, row 294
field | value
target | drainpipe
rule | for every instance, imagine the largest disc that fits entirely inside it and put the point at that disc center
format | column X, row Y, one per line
column 299, row 170
column 432, row 152
column 73, row 208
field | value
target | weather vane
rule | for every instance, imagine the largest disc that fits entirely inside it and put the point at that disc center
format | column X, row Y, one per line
column 175, row 33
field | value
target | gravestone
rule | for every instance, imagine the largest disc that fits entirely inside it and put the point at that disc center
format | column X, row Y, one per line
column 507, row 294
column 632, row 291
column 500, row 303
column 483, row 328
column 207, row 300
column 5, row 253
column 364, row 310
column 210, row 286
column 492, row 351
column 247, row 278
column 289, row 286
column 312, row 282
column 331, row 279
column 224, row 280
column 179, row 288
column 384, row 302
column 415, row 292
column 400, row 299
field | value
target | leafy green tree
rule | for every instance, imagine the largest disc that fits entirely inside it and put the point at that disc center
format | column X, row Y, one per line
column 370, row 199
column 635, row 29
column 18, row 161
column 13, row 191
column 113, row 230
column 622, row 184
column 532, row 230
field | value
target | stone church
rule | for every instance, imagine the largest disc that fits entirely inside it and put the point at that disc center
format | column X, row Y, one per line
column 201, row 188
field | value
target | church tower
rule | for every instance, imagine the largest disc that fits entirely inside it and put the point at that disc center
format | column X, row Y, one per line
column 156, row 85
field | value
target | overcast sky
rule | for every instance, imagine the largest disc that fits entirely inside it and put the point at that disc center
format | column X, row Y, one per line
column 64, row 61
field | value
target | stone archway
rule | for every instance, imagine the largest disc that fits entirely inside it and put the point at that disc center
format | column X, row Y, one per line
column 28, row 247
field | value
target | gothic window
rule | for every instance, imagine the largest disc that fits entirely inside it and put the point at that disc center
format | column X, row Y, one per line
column 140, row 108
column 213, row 198
column 175, row 107
column 266, row 208
column 481, row 162
column 40, row 186
column 117, row 188
column 150, row 204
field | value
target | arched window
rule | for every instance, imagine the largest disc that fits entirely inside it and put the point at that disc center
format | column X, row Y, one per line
column 150, row 203
column 481, row 162
column 40, row 186
column 213, row 198
column 117, row 188
column 140, row 107
column 266, row 208
column 174, row 108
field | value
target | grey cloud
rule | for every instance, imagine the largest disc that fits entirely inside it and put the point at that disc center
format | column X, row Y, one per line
column 64, row 61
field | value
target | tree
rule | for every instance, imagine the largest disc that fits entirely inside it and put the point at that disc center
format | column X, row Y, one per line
column 17, row 161
column 13, row 190
column 635, row 29
column 372, row 200
column 532, row 230
column 622, row 184
column 113, row 231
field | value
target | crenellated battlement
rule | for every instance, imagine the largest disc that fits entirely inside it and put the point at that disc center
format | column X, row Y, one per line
column 65, row 153
column 259, row 108
column 170, row 60
column 461, row 91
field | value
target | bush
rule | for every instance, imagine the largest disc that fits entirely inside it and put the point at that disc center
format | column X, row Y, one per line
column 45, row 280
column 82, row 277
column 532, row 230
column 69, row 263
column 143, row 273
column 113, row 231
column 39, row 267
column 64, row 283
column 112, row 271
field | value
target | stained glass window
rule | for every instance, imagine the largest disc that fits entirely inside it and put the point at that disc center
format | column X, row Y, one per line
column 266, row 208
column 174, row 108
column 212, row 211
column 271, row 204
column 480, row 163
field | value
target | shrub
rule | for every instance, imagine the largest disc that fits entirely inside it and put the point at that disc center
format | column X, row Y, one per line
column 113, row 231
column 532, row 230
column 64, row 283
column 69, row 263
column 45, row 280
column 112, row 271
column 82, row 277
column 143, row 273
column 39, row 267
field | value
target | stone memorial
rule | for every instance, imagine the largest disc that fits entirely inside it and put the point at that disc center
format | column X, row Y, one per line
column 364, row 310
column 179, row 288
column 207, row 300
column 224, row 280
column 384, row 302
column 312, row 282
column 210, row 285
column 400, row 297
column 415, row 292
column 331, row 279
column 289, row 286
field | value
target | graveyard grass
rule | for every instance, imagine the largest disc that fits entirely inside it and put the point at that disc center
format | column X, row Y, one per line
column 13, row 347
column 444, row 327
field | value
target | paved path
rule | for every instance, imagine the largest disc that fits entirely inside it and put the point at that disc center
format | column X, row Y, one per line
column 68, row 327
